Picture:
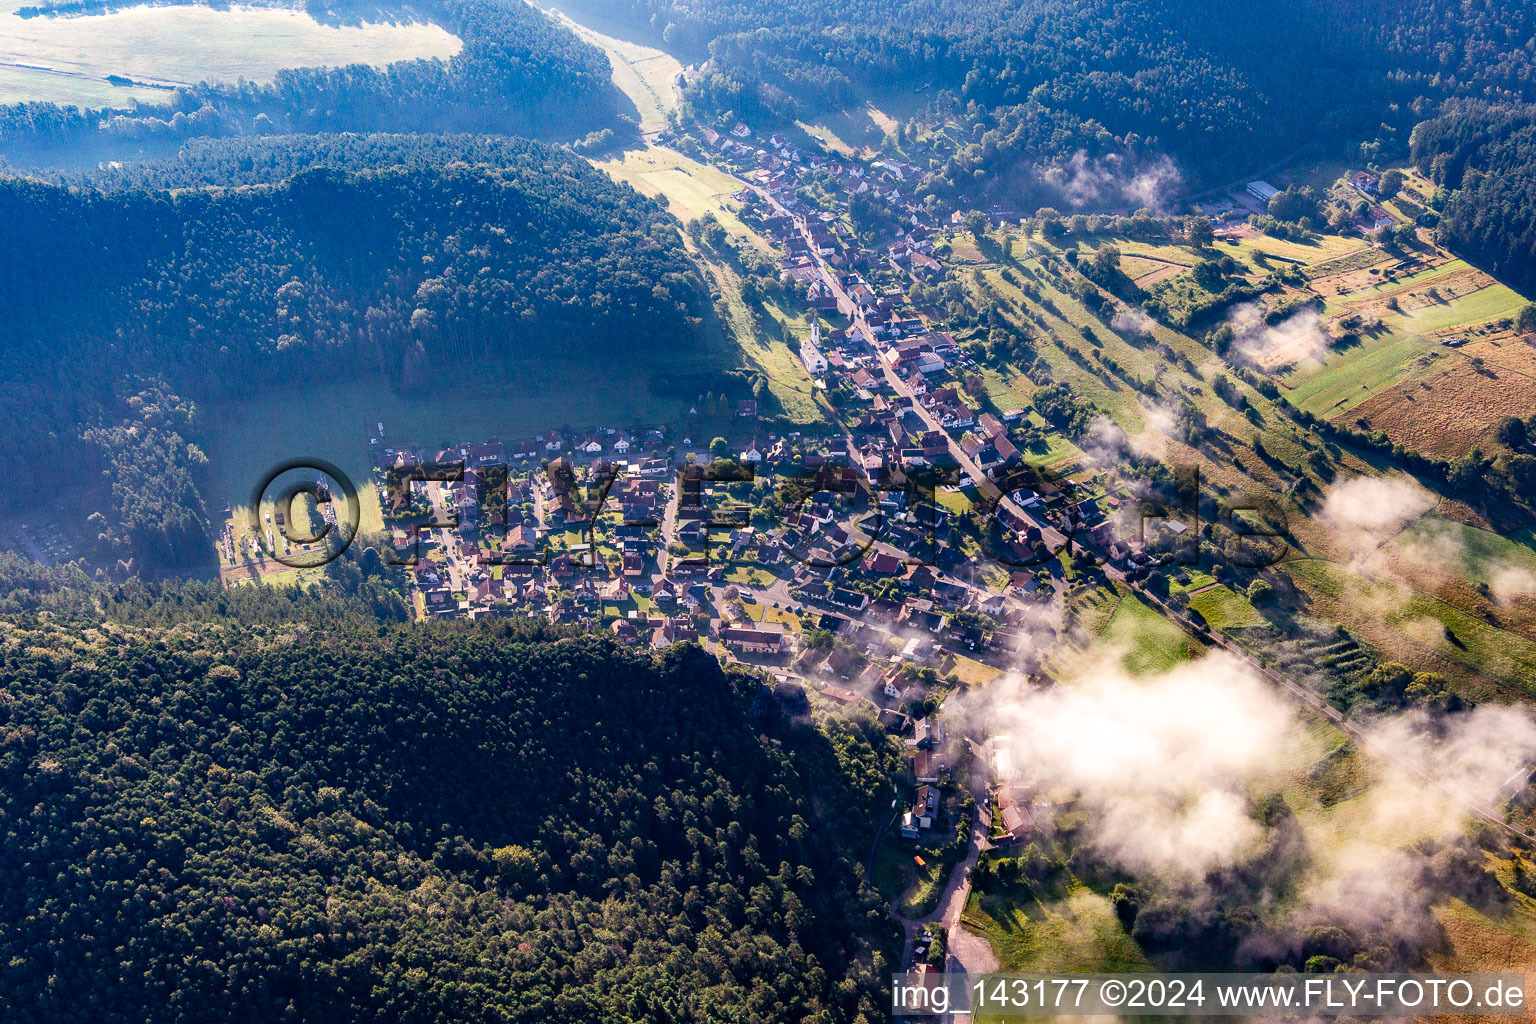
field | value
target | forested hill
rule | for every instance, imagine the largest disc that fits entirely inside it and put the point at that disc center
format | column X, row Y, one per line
column 387, row 259
column 270, row 161
column 518, row 71
column 226, row 288
column 227, row 823
column 1486, row 155
column 1224, row 87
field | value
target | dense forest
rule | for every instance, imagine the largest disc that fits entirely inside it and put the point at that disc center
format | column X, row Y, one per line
column 517, row 72
column 224, row 289
column 1221, row 87
column 230, row 821
column 1486, row 156
column 410, row 256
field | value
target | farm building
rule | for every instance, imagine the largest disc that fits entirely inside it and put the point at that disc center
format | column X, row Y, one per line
column 1263, row 191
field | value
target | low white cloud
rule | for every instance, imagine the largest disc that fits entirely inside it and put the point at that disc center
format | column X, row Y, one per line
column 1160, row 765
column 1367, row 511
column 1087, row 181
column 1299, row 338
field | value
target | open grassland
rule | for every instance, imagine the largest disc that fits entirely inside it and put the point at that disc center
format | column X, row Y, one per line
column 1401, row 380
column 1064, row 322
column 1475, row 941
column 69, row 58
column 1033, row 931
column 1148, row 642
column 1451, row 409
column 690, row 189
column 1353, row 375
column 1418, row 630
column 332, row 421
column 647, row 76
column 1169, row 253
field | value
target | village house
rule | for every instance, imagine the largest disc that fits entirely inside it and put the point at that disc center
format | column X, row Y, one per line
column 923, row 814
column 1013, row 814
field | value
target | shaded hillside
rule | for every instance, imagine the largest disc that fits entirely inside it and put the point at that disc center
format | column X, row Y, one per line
column 1222, row 87
column 227, row 823
column 394, row 257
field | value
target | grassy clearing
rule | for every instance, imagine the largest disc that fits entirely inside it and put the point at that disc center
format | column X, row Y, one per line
column 1222, row 608
column 911, row 889
column 648, row 77
column 691, row 190
column 1065, row 324
column 1151, row 643
column 183, row 45
column 1032, row 933
column 954, row 499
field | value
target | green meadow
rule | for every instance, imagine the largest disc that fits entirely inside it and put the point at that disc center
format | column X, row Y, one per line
column 67, row 59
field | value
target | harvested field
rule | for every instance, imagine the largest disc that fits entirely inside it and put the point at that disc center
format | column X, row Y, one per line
column 1375, row 277
column 1159, row 272
column 1361, row 259
column 1454, row 408
column 1506, row 351
column 1421, row 292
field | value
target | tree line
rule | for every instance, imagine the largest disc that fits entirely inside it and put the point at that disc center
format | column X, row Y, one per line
column 1485, row 156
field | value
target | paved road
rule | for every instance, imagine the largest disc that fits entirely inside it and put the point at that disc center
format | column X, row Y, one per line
column 971, row 950
column 1053, row 538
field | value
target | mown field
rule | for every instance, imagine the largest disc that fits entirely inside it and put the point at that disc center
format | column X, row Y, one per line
column 1035, row 930
column 71, row 57
column 646, row 75
column 1148, row 641
column 1354, row 375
